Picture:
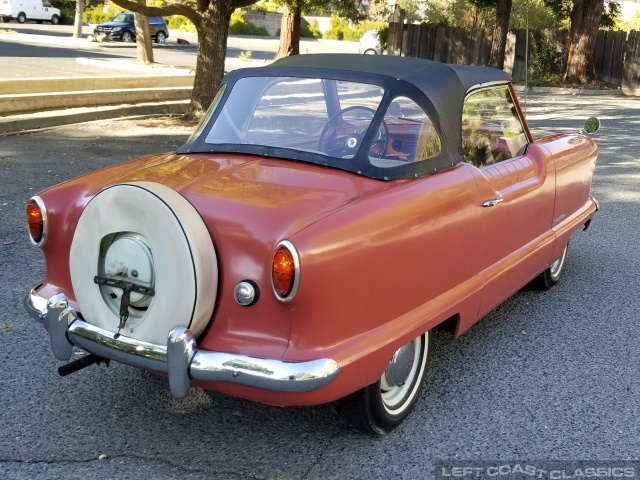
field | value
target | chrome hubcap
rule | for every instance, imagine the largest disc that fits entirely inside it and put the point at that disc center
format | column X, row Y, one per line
column 400, row 365
column 398, row 382
column 127, row 258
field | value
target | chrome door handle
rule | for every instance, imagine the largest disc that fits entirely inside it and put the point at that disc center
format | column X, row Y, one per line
column 492, row 203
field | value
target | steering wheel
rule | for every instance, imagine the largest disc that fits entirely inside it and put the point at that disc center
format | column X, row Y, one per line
column 340, row 138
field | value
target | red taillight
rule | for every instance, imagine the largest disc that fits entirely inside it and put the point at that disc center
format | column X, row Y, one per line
column 35, row 220
column 283, row 272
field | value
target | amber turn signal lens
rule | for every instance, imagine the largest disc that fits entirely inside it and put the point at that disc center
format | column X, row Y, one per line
column 35, row 221
column 283, row 272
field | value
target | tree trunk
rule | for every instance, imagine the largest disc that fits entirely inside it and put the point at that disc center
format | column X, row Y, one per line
column 77, row 23
column 585, row 21
column 500, row 31
column 144, row 50
column 212, row 50
column 290, row 31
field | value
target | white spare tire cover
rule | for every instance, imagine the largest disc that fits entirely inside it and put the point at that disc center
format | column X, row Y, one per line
column 148, row 234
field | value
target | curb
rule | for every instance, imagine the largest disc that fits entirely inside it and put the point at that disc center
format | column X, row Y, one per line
column 35, row 121
column 567, row 91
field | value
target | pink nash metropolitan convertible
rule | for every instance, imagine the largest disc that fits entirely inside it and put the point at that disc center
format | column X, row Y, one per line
column 304, row 242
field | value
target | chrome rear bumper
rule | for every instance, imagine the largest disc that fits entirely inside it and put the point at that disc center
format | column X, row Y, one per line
column 180, row 358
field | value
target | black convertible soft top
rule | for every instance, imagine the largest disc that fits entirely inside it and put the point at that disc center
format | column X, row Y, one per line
column 433, row 78
column 443, row 86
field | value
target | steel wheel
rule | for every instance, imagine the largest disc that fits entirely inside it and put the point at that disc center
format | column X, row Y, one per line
column 21, row 18
column 382, row 406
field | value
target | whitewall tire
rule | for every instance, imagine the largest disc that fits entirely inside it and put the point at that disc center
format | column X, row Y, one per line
column 147, row 234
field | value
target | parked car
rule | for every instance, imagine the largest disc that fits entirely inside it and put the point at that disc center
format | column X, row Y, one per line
column 370, row 43
column 300, row 262
column 122, row 28
column 24, row 10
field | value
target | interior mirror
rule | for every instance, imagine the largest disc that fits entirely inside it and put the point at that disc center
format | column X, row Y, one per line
column 591, row 125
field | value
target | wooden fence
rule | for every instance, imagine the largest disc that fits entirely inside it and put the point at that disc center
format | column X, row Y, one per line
column 617, row 59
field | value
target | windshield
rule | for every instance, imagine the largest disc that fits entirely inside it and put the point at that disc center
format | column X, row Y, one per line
column 124, row 18
column 318, row 120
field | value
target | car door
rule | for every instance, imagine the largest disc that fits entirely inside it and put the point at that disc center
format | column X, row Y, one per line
column 516, row 183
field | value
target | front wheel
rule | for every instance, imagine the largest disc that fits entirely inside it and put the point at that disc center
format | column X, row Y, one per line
column 551, row 275
column 383, row 405
column 127, row 37
column 55, row 20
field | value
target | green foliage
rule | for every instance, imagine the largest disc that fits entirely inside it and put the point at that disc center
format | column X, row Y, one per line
column 239, row 26
column 611, row 15
column 340, row 29
column 245, row 56
column 460, row 13
column 411, row 8
column 546, row 64
column 310, row 30
column 538, row 15
column 266, row 6
column 178, row 22
column 562, row 11
column 383, row 37
column 631, row 23
column 97, row 14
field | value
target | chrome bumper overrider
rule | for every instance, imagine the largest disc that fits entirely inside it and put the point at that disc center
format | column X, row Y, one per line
column 180, row 358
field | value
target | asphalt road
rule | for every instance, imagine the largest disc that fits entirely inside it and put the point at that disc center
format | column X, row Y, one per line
column 35, row 51
column 548, row 375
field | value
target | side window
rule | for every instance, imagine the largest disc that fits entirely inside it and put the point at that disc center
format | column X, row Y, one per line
column 491, row 128
column 412, row 136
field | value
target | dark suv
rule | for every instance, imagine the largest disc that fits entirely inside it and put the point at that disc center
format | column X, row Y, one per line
column 122, row 28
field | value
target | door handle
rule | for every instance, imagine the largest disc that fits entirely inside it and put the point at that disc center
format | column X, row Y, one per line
column 492, row 203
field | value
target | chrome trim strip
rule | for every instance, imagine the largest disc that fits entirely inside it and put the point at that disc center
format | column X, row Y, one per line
column 43, row 209
column 593, row 199
column 179, row 359
column 296, row 262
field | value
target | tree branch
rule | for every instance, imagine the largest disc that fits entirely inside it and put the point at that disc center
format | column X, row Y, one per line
column 175, row 9
column 242, row 3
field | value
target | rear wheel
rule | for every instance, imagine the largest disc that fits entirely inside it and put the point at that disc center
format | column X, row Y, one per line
column 5, row 19
column 551, row 275
column 370, row 51
column 383, row 405
column 55, row 20
column 161, row 37
column 21, row 18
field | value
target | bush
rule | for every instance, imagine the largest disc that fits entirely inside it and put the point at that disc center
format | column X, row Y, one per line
column 97, row 15
column 239, row 26
column 340, row 29
column 545, row 64
column 334, row 34
column 310, row 30
column 178, row 22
